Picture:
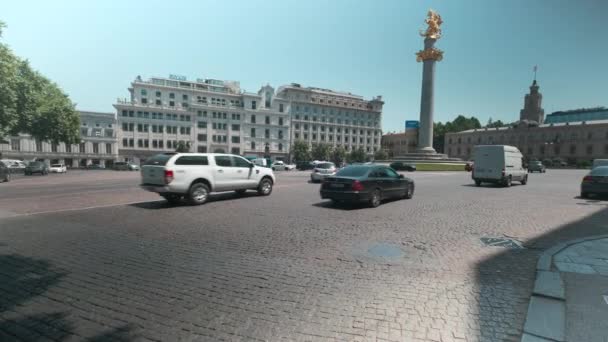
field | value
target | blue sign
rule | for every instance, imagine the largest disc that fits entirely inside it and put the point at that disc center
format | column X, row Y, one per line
column 412, row 124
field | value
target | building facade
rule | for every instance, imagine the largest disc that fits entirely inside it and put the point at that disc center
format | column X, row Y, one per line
column 98, row 144
column 572, row 136
column 398, row 144
column 335, row 118
column 211, row 115
column 216, row 116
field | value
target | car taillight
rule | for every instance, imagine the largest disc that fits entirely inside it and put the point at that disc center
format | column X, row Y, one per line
column 588, row 179
column 168, row 176
column 357, row 186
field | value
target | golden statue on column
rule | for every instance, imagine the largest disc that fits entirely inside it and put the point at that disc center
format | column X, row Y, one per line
column 433, row 31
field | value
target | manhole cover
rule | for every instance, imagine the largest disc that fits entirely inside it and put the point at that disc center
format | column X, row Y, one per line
column 501, row 242
column 385, row 250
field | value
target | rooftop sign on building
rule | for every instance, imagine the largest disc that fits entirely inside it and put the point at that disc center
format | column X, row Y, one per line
column 177, row 77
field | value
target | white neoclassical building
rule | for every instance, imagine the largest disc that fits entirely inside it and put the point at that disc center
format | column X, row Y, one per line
column 97, row 145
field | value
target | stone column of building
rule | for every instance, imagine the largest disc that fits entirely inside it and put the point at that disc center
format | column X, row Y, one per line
column 429, row 56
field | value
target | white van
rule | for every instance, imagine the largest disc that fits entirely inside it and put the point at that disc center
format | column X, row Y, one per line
column 500, row 164
column 599, row 162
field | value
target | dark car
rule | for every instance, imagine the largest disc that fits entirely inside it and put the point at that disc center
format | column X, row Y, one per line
column 303, row 166
column 536, row 165
column 401, row 166
column 595, row 182
column 36, row 167
column 366, row 183
column 5, row 172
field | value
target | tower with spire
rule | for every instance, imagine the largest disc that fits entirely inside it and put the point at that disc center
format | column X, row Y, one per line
column 533, row 112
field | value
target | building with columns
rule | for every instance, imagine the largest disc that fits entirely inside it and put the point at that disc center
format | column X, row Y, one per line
column 335, row 118
column 399, row 144
column 97, row 146
column 572, row 136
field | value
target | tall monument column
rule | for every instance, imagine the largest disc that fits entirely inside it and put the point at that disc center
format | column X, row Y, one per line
column 429, row 56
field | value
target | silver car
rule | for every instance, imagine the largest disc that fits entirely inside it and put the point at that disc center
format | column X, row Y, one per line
column 322, row 170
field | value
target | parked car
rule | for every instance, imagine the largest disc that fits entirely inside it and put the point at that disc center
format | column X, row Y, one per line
column 322, row 170
column 36, row 167
column 536, row 166
column 58, row 168
column 401, row 166
column 303, row 166
column 469, row 166
column 595, row 182
column 196, row 175
column 5, row 172
column 125, row 166
column 281, row 166
column 499, row 164
column 14, row 165
column 599, row 162
column 367, row 183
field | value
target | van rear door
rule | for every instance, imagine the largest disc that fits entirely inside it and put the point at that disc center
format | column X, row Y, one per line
column 489, row 162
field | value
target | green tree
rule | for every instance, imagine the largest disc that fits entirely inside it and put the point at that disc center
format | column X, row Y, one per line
column 357, row 156
column 461, row 123
column 380, row 155
column 30, row 103
column 300, row 151
column 320, row 151
column 183, row 146
column 338, row 155
column 494, row 124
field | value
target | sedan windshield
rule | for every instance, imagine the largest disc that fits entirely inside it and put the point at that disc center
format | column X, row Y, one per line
column 353, row 171
column 600, row 171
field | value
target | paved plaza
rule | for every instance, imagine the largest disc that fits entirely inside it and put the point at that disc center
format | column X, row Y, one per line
column 88, row 255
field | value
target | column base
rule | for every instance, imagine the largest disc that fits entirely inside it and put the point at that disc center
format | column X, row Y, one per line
column 426, row 150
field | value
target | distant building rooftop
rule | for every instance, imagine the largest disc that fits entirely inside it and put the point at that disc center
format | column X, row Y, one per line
column 583, row 114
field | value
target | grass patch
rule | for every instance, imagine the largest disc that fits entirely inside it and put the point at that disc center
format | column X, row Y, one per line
column 439, row 167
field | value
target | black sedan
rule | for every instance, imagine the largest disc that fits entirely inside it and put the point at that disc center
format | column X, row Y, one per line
column 36, row 167
column 595, row 182
column 401, row 166
column 366, row 183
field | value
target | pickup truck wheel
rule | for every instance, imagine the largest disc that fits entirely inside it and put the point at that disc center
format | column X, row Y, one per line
column 172, row 198
column 265, row 187
column 198, row 194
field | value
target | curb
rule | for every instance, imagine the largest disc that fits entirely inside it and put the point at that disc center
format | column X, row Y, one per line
column 546, row 317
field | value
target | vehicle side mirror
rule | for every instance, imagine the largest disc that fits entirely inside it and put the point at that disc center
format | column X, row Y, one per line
column 251, row 165
column 401, row 176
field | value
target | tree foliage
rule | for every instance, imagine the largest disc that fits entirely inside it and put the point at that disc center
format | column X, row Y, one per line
column 357, row 156
column 300, row 151
column 320, row 151
column 494, row 124
column 380, row 155
column 461, row 123
column 183, row 146
column 32, row 104
column 338, row 155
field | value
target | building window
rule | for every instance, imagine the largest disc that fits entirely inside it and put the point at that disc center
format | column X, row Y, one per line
column 281, row 121
column 202, row 137
column 253, row 105
column 81, row 148
column 589, row 149
column 590, row 135
column 280, row 108
column 109, row 148
column 267, row 120
column 253, row 145
column 572, row 149
column 297, row 136
column 235, row 127
column 125, row 142
column 38, row 146
column 236, row 139
column 171, row 95
column 235, row 150
column 556, row 150
column 253, row 132
column 280, row 147
column 144, row 92
column 15, row 144
column 172, row 103
column 267, row 133
column 202, row 149
column 280, row 134
column 144, row 100
column 53, row 147
column 96, row 148
column 529, row 150
column 158, row 94
column 185, row 97
column 253, row 119
column 68, row 148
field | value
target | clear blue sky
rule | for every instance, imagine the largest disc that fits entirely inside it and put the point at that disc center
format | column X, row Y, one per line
column 94, row 49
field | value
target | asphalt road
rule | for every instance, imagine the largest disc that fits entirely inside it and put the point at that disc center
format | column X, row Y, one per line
column 88, row 255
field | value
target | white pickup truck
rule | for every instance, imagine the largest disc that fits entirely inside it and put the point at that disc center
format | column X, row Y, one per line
column 281, row 166
column 195, row 175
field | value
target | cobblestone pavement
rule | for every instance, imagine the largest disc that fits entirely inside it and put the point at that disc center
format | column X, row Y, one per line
column 285, row 267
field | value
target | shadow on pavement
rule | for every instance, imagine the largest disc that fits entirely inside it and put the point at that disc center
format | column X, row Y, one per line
column 505, row 280
column 339, row 205
column 223, row 196
column 22, row 281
